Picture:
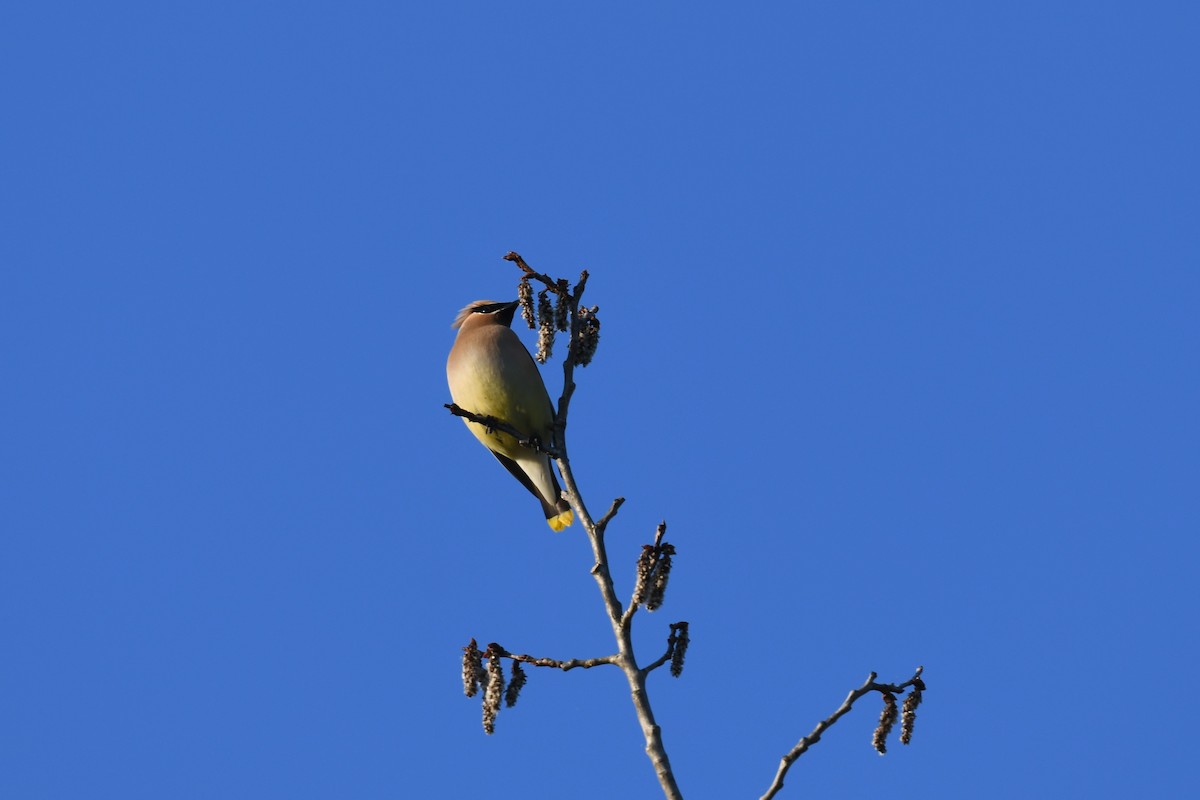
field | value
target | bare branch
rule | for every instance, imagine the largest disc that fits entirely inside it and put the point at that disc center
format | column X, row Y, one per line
column 529, row 271
column 654, row 566
column 665, row 657
column 567, row 314
column 565, row 666
column 558, row 287
column 808, row 741
column 620, row 624
column 608, row 515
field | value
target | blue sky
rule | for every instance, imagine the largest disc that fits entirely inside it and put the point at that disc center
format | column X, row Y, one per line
column 899, row 336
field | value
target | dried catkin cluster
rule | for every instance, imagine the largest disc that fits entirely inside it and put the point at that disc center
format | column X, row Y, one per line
column 549, row 317
column 562, row 306
column 491, row 679
column 909, row 716
column 515, row 683
column 473, row 673
column 653, row 571
column 679, row 645
column 525, row 298
column 545, row 313
column 887, row 719
column 587, row 336
column 494, row 691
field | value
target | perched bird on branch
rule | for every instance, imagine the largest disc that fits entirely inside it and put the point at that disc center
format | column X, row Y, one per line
column 492, row 374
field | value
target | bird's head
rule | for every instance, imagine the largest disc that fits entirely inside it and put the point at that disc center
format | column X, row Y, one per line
column 487, row 312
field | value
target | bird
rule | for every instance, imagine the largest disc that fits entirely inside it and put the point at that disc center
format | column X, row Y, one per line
column 492, row 374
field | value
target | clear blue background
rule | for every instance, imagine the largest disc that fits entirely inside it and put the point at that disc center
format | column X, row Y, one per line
column 900, row 336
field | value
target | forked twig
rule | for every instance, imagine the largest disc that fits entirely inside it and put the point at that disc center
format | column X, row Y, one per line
column 808, row 741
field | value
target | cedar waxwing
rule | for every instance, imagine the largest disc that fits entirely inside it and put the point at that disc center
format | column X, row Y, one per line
column 492, row 374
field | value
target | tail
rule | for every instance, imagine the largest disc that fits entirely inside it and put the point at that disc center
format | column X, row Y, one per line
column 560, row 516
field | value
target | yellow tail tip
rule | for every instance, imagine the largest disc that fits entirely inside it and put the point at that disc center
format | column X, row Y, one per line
column 561, row 520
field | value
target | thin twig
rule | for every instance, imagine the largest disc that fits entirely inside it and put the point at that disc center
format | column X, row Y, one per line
column 672, row 643
column 565, row 666
column 808, row 741
column 551, row 284
column 630, row 610
column 602, row 523
column 493, row 424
